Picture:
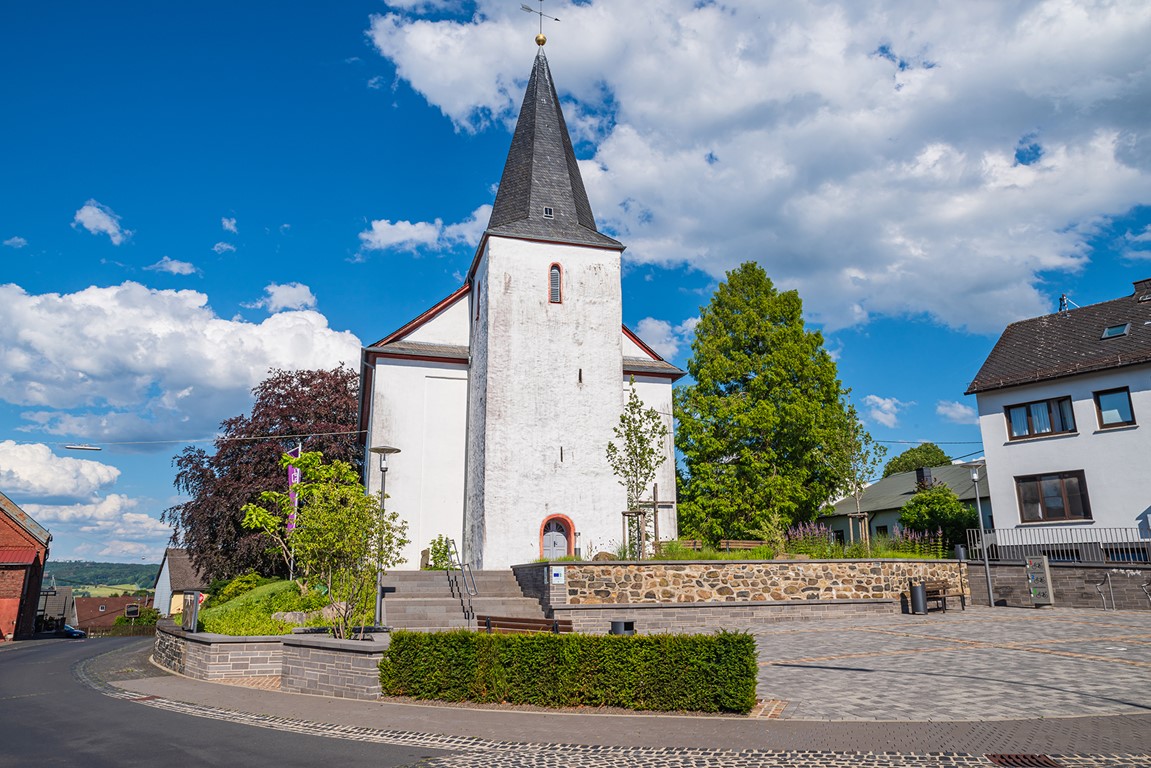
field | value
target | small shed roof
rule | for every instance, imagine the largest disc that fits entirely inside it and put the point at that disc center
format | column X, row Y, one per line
column 17, row 555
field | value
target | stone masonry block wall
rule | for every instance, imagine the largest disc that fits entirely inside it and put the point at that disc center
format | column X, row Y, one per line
column 346, row 669
column 169, row 649
column 207, row 656
column 729, row 581
column 1074, row 585
column 709, row 617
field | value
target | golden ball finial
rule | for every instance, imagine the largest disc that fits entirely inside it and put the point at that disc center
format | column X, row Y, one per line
column 541, row 39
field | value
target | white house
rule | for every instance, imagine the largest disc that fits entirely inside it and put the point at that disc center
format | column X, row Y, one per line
column 177, row 575
column 1060, row 398
column 502, row 397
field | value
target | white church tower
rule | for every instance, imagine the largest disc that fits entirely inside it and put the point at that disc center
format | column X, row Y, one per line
column 503, row 397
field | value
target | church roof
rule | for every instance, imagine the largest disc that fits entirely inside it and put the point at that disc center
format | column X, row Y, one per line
column 542, row 174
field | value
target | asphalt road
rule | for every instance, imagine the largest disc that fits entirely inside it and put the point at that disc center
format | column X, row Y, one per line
column 48, row 717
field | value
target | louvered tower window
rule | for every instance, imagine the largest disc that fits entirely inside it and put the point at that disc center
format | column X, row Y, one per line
column 555, row 294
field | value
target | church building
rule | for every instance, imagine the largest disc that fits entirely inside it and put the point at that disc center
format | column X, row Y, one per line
column 502, row 398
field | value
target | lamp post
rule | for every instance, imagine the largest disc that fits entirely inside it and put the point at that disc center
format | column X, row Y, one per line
column 383, row 451
column 982, row 535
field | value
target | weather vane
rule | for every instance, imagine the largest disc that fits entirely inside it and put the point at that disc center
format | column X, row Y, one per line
column 540, row 38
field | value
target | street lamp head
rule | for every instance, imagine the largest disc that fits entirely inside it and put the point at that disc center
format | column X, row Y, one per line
column 975, row 474
column 384, row 451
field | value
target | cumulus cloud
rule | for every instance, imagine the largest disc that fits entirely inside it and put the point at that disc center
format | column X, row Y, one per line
column 860, row 152
column 665, row 338
column 173, row 267
column 110, row 526
column 130, row 362
column 32, row 469
column 229, row 225
column 278, row 297
column 957, row 413
column 885, row 410
column 223, row 248
column 15, row 242
column 101, row 220
column 434, row 235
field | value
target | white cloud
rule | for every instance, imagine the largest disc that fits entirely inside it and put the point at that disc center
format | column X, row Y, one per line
column 957, row 413
column 885, row 410
column 172, row 266
column 865, row 153
column 110, row 526
column 129, row 362
column 278, row 297
column 222, row 248
column 32, row 469
column 229, row 225
column 376, row 83
column 409, row 236
column 15, row 242
column 101, row 220
column 664, row 338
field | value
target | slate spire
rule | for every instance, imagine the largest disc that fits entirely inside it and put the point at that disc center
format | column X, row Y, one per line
column 541, row 176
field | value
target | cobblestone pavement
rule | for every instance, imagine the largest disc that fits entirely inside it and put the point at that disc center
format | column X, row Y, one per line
column 951, row 689
column 979, row 664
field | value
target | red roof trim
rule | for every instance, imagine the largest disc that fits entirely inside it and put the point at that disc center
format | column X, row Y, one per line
column 426, row 316
column 639, row 342
column 17, row 555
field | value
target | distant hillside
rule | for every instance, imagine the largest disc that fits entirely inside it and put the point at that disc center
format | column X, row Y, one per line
column 75, row 573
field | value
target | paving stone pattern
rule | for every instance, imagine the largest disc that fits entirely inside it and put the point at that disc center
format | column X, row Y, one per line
column 979, row 664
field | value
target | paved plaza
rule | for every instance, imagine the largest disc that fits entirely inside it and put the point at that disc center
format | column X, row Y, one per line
column 953, row 689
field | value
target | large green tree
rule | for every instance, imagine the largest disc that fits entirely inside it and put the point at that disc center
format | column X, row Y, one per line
column 922, row 455
column 760, row 427
column 934, row 508
column 316, row 408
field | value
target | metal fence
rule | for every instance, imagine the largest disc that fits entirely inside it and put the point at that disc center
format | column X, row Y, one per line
column 1063, row 545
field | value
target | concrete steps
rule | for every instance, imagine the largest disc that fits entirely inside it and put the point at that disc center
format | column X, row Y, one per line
column 423, row 600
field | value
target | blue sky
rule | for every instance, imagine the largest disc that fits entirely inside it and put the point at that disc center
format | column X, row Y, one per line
column 191, row 195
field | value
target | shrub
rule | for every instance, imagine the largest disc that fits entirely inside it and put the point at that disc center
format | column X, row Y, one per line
column 440, row 554
column 148, row 616
column 251, row 613
column 702, row 673
column 230, row 590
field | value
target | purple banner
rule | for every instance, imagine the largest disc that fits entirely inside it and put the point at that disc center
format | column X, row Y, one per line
column 293, row 479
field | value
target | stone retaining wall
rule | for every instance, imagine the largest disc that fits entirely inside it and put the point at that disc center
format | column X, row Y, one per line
column 705, row 595
column 207, row 656
column 344, row 669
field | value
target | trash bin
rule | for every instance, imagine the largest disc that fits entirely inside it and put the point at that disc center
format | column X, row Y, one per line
column 628, row 627
column 960, row 552
column 918, row 598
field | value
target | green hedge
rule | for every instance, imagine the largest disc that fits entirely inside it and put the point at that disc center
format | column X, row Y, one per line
column 701, row 673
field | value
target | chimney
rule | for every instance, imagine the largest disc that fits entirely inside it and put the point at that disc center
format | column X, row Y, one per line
column 1142, row 288
column 923, row 477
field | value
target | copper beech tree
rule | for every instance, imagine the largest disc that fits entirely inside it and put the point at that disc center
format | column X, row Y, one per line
column 315, row 408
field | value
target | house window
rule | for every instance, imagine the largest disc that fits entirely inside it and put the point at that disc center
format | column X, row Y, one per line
column 840, row 537
column 1057, row 496
column 549, row 213
column 1043, row 417
column 102, row 609
column 555, row 293
column 1113, row 407
column 881, row 530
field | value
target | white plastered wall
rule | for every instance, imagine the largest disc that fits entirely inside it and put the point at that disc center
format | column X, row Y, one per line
column 545, row 395
column 1114, row 461
column 656, row 392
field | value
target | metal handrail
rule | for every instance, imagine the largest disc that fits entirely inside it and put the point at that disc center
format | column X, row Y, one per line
column 1106, row 581
column 1068, row 544
column 465, row 569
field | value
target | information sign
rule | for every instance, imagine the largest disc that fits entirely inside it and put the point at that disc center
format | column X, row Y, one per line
column 1039, row 581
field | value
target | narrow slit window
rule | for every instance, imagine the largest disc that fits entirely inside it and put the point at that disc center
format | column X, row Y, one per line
column 555, row 290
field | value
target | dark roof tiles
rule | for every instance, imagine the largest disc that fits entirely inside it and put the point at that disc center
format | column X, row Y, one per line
column 1069, row 343
column 542, row 171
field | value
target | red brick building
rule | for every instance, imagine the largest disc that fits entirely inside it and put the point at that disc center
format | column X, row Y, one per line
column 23, row 552
column 103, row 611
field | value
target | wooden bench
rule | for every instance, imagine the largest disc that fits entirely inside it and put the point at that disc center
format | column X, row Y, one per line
column 725, row 545
column 938, row 592
column 515, row 625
